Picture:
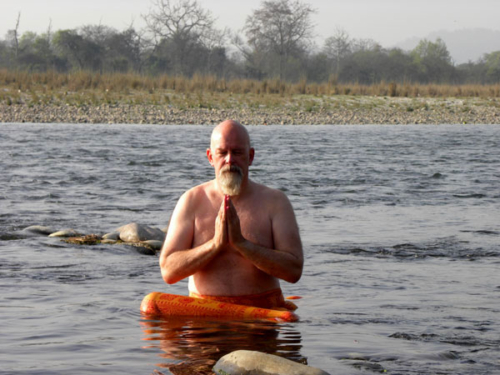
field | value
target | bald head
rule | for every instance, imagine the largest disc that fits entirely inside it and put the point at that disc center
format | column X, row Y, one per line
column 230, row 129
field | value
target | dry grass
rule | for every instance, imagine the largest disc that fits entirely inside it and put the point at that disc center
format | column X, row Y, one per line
column 87, row 89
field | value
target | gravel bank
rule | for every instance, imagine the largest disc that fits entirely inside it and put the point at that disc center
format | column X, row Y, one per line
column 353, row 110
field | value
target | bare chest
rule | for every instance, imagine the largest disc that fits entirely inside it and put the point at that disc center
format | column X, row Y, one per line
column 255, row 223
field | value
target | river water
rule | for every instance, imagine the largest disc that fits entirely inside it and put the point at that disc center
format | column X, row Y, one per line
column 400, row 227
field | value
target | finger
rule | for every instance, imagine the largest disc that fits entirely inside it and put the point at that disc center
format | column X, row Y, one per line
column 224, row 219
column 227, row 206
column 222, row 206
column 233, row 222
column 221, row 235
column 227, row 202
column 221, row 215
column 233, row 215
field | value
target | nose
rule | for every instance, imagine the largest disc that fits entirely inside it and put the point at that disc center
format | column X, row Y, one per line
column 229, row 158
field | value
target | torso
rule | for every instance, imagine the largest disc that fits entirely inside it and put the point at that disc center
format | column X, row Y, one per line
column 230, row 273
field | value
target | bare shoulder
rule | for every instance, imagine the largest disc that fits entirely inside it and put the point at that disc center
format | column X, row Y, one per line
column 195, row 195
column 285, row 228
column 268, row 192
column 272, row 197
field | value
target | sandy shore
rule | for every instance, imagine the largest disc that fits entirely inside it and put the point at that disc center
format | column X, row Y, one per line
column 331, row 110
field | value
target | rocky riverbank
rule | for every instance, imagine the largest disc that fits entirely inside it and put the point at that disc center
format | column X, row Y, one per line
column 296, row 110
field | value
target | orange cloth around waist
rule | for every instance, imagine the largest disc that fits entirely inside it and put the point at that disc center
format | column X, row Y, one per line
column 272, row 299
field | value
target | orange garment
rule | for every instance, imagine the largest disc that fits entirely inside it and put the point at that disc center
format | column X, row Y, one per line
column 272, row 299
column 165, row 304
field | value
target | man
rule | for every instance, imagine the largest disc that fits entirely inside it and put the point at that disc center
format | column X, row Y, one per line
column 233, row 237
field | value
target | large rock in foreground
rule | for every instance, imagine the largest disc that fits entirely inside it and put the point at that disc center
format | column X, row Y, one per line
column 246, row 362
column 134, row 232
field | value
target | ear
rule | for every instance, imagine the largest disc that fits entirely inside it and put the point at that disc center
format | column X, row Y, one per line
column 210, row 157
column 251, row 155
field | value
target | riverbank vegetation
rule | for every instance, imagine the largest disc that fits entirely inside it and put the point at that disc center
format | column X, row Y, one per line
column 180, row 49
column 88, row 97
column 90, row 88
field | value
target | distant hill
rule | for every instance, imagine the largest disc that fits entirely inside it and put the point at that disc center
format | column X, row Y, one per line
column 464, row 45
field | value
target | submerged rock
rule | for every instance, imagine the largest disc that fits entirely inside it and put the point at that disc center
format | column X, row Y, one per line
column 142, row 248
column 39, row 229
column 65, row 233
column 134, row 232
column 90, row 239
column 246, row 362
column 153, row 244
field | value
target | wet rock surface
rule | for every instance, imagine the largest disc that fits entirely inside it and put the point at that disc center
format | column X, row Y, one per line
column 65, row 233
column 148, row 240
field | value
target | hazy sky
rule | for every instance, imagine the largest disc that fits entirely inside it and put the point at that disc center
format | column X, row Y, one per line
column 385, row 21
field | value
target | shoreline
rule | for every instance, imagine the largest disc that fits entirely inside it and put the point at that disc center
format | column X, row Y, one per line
column 297, row 110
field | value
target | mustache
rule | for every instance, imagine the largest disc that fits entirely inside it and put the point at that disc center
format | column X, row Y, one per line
column 231, row 169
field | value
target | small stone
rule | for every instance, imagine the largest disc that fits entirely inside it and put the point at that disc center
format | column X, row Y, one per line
column 115, row 236
column 246, row 362
column 108, row 241
column 65, row 233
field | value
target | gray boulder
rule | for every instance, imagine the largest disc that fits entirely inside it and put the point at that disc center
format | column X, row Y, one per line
column 246, row 362
column 134, row 232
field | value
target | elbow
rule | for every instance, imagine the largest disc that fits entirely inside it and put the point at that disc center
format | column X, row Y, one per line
column 292, row 279
column 170, row 281
column 168, row 277
column 295, row 275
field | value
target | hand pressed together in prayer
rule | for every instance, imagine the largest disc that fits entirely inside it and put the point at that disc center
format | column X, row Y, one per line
column 227, row 226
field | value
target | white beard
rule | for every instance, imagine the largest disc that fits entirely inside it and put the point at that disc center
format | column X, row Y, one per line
column 230, row 179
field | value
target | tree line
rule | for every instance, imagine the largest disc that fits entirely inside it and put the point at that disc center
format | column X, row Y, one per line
column 180, row 39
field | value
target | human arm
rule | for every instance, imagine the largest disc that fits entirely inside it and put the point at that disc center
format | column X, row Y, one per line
column 178, row 259
column 285, row 261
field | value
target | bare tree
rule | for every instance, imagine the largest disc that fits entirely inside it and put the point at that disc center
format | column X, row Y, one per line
column 337, row 47
column 13, row 35
column 280, row 26
column 182, row 22
column 214, row 40
column 365, row 45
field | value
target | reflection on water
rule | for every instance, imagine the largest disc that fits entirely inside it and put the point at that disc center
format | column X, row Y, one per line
column 193, row 345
